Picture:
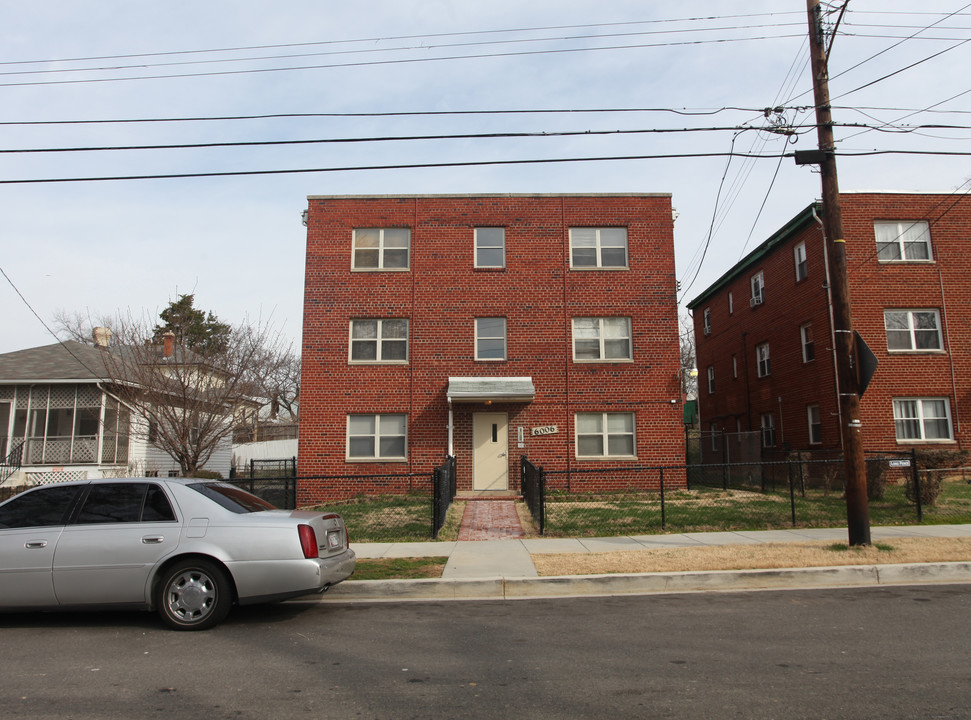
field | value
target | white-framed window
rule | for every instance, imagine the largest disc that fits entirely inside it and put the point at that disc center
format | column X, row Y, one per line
column 598, row 247
column 490, row 247
column 602, row 339
column 762, row 358
column 607, row 435
column 707, row 318
column 922, row 419
column 815, row 423
column 806, row 340
column 734, row 367
column 490, row 338
column 711, row 379
column 381, row 249
column 377, row 437
column 757, row 283
column 913, row 330
column 731, row 304
column 768, row 430
column 379, row 341
column 799, row 258
column 903, row 241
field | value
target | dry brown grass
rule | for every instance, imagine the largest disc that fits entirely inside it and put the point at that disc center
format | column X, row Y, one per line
column 750, row 557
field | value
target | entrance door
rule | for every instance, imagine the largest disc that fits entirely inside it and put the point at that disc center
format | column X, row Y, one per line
column 490, row 451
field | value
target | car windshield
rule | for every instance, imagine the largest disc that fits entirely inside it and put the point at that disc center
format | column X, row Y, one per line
column 232, row 498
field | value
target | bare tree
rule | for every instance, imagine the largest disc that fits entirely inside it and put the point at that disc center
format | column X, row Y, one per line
column 188, row 402
column 689, row 369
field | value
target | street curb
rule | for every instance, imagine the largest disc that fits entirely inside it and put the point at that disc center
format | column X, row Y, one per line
column 499, row 588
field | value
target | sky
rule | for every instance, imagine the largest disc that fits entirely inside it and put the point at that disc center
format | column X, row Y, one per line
column 640, row 80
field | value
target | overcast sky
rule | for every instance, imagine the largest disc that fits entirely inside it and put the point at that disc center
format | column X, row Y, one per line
column 237, row 241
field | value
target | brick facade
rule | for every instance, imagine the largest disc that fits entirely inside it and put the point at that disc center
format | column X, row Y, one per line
column 441, row 293
column 939, row 284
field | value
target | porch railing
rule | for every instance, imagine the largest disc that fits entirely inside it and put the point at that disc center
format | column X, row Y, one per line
column 12, row 462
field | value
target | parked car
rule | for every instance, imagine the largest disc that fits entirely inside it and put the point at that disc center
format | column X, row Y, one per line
column 188, row 548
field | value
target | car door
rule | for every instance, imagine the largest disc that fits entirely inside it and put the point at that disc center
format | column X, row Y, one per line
column 30, row 525
column 107, row 553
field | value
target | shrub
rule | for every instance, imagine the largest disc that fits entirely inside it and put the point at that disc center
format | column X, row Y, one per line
column 931, row 485
column 207, row 475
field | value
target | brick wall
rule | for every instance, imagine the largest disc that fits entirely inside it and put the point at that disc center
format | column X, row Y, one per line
column 442, row 293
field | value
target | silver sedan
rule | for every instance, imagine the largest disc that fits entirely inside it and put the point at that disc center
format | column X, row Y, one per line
column 188, row 548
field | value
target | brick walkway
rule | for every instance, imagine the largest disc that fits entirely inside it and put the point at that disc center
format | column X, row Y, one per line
column 490, row 520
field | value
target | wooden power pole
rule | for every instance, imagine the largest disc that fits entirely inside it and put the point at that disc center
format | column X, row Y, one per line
column 847, row 362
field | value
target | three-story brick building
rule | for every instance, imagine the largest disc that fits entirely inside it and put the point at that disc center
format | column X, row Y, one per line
column 764, row 336
column 487, row 327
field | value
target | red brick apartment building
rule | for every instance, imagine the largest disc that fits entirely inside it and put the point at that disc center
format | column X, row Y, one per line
column 764, row 334
column 487, row 327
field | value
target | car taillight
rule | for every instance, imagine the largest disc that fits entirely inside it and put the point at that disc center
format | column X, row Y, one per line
column 308, row 541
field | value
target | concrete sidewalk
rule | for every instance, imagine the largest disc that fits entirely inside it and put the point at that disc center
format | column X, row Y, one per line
column 503, row 569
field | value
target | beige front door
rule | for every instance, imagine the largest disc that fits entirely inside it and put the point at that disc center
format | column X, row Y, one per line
column 490, row 451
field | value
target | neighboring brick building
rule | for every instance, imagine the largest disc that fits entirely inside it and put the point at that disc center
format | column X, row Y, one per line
column 764, row 335
column 543, row 325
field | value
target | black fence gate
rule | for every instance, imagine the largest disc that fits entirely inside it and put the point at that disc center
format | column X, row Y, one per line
column 443, row 492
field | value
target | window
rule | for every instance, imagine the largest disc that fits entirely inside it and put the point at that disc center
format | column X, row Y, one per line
column 711, row 379
column 908, row 241
column 913, row 330
column 602, row 339
column 490, row 247
column 605, row 434
column 734, row 367
column 598, row 247
column 922, row 419
column 806, row 338
column 379, row 341
column 799, row 257
column 707, row 321
column 762, row 356
column 731, row 304
column 490, row 338
column 381, row 249
column 758, row 289
column 39, row 508
column 815, row 425
column 125, row 503
column 768, row 430
column 376, row 437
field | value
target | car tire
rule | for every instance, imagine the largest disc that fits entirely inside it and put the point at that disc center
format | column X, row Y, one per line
column 194, row 595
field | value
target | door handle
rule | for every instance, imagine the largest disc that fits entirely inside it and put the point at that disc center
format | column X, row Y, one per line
column 152, row 539
column 501, row 455
column 34, row 544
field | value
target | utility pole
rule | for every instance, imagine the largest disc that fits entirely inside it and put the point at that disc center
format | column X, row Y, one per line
column 847, row 365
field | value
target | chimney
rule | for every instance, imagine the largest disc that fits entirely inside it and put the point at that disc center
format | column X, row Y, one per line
column 101, row 336
column 168, row 344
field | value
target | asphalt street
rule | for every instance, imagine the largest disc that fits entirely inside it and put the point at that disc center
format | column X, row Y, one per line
column 890, row 652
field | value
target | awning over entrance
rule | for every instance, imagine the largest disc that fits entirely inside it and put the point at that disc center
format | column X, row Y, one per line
column 490, row 389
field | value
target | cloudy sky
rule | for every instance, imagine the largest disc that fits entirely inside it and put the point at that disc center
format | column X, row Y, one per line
column 215, row 72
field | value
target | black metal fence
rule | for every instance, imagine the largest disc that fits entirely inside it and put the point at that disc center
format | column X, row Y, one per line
column 443, row 493
column 12, row 461
column 533, row 489
column 798, row 492
column 286, row 467
column 278, row 491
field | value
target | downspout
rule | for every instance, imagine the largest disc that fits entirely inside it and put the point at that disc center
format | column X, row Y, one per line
column 950, row 355
column 451, row 448
column 832, row 323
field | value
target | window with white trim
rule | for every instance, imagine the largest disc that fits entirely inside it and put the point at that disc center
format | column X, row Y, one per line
column 490, row 247
column 799, row 258
column 731, row 304
column 381, row 249
column 768, row 430
column 913, row 330
column 757, row 283
column 815, row 423
column 922, row 419
column 377, row 437
column 734, row 367
column 707, row 319
column 903, row 241
column 608, row 434
column 711, row 379
column 598, row 247
column 379, row 341
column 490, row 338
column 762, row 358
column 806, row 340
column 602, row 339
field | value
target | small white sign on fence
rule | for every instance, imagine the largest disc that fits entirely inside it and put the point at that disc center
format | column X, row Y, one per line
column 899, row 463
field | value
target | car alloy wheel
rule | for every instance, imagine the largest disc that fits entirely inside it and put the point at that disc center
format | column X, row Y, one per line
column 194, row 595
